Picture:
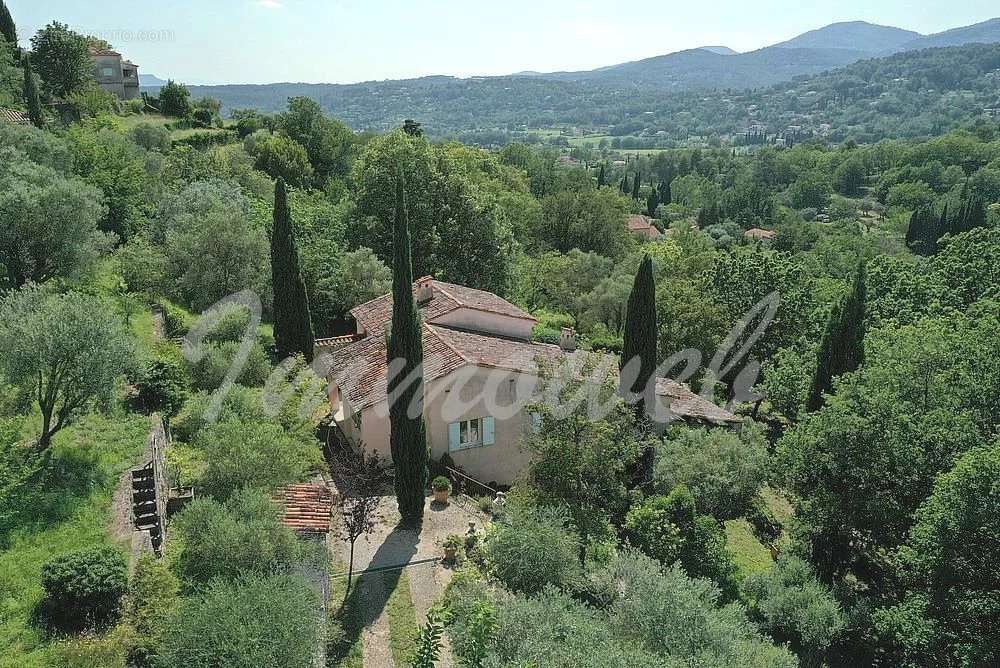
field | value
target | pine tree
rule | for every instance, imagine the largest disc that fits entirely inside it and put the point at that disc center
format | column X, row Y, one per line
column 600, row 177
column 635, row 187
column 7, row 28
column 293, row 332
column 31, row 95
column 842, row 347
column 407, row 436
column 640, row 333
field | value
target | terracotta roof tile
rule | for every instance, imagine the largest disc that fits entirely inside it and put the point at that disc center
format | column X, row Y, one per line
column 639, row 224
column 376, row 314
column 99, row 51
column 758, row 233
column 307, row 507
column 687, row 405
column 359, row 370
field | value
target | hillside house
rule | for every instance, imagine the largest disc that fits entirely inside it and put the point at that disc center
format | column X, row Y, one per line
column 642, row 226
column 480, row 373
column 115, row 75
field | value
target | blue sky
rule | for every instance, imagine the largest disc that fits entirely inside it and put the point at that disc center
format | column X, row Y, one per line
column 339, row 41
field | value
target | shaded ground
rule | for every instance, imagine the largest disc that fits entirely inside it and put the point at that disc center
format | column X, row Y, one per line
column 391, row 546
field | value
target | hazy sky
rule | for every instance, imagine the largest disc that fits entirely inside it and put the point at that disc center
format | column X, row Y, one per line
column 339, row 41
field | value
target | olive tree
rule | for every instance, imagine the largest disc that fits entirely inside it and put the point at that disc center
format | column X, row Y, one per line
column 67, row 350
column 48, row 222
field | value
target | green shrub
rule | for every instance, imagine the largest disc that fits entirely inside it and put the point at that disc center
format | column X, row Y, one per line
column 161, row 386
column 83, row 589
column 227, row 540
column 723, row 469
column 242, row 404
column 152, row 137
column 441, row 484
column 231, row 326
column 789, row 603
column 177, row 319
column 534, row 549
column 209, row 371
column 153, row 596
column 256, row 621
column 256, row 455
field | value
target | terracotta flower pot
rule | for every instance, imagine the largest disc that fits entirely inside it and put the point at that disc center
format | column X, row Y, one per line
column 441, row 496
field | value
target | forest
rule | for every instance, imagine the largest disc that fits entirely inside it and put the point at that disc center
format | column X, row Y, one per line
column 912, row 94
column 852, row 519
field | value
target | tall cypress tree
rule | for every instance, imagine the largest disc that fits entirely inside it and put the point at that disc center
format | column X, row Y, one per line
column 641, row 332
column 635, row 187
column 922, row 232
column 652, row 202
column 601, row 177
column 623, row 185
column 842, row 347
column 408, row 436
column 293, row 332
column 31, row 95
column 7, row 28
column 665, row 195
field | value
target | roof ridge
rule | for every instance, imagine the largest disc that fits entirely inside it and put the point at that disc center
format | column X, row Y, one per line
column 433, row 330
column 448, row 294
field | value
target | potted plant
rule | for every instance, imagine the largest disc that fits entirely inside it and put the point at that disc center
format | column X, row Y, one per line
column 451, row 546
column 442, row 489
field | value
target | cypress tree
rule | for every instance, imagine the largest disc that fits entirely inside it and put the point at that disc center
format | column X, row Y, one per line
column 635, row 187
column 640, row 332
column 408, row 436
column 665, row 195
column 31, row 95
column 623, row 186
column 842, row 347
column 600, row 177
column 293, row 332
column 922, row 233
column 651, row 203
column 7, row 28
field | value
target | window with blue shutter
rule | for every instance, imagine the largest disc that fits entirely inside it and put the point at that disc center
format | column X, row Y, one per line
column 489, row 429
column 474, row 433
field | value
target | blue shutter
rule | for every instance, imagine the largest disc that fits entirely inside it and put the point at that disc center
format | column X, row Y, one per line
column 454, row 436
column 489, row 429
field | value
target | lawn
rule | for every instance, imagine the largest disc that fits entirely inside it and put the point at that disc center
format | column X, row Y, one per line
column 748, row 552
column 70, row 512
column 403, row 629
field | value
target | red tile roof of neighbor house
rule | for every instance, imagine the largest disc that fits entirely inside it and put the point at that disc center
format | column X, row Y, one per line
column 758, row 233
column 99, row 51
column 307, row 507
column 14, row 116
column 639, row 224
column 376, row 314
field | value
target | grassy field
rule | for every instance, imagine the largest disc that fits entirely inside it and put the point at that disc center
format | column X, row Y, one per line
column 748, row 552
column 71, row 512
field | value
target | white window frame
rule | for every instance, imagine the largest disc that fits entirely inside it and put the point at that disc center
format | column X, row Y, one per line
column 107, row 71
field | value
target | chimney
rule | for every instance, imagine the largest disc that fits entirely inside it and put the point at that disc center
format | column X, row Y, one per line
column 567, row 340
column 425, row 289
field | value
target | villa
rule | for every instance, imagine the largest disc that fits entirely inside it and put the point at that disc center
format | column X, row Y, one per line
column 115, row 75
column 480, row 374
